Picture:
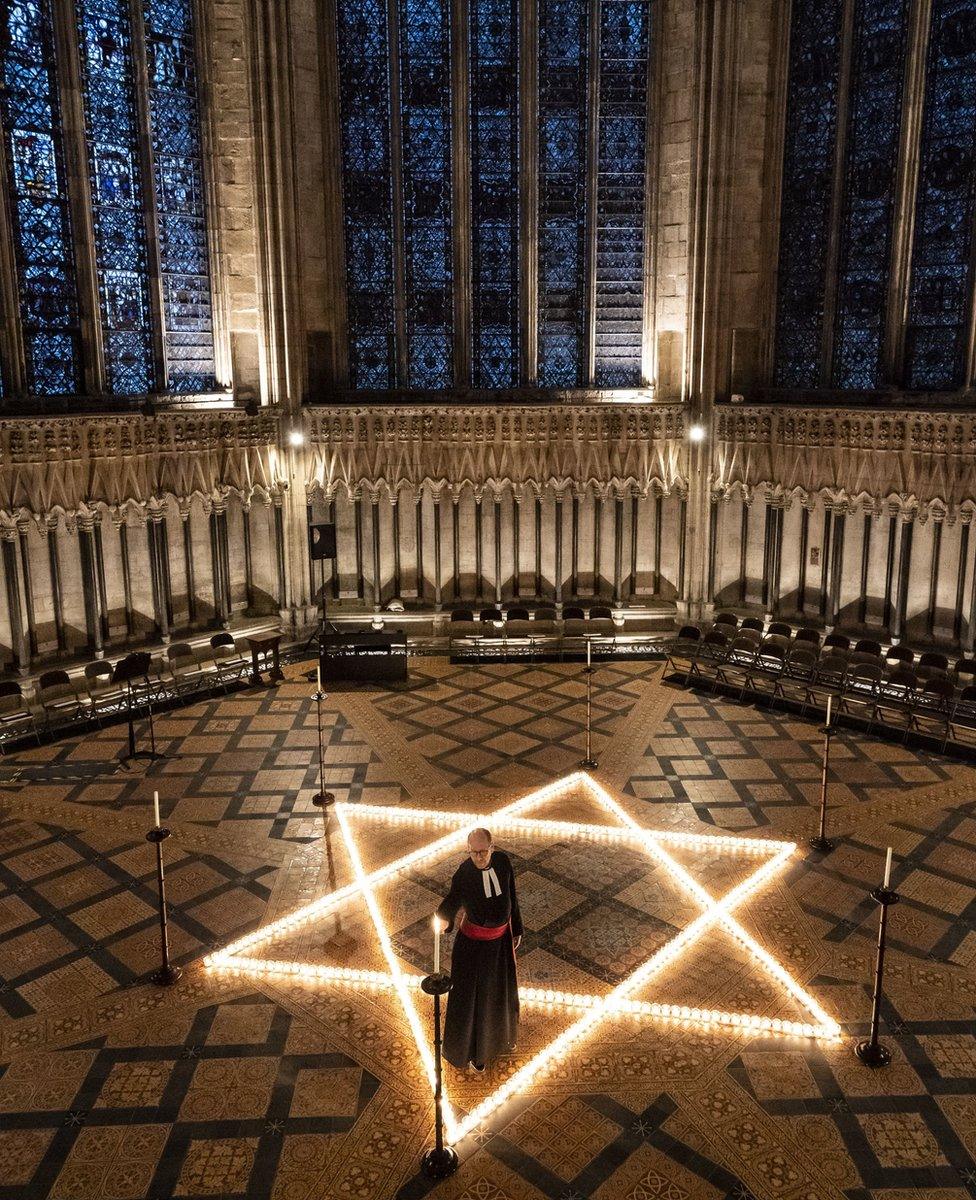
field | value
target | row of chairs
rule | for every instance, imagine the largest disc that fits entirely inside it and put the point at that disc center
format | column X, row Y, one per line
column 98, row 693
column 516, row 623
column 870, row 685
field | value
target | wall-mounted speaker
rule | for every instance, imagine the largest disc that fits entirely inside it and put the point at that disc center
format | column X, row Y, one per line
column 322, row 541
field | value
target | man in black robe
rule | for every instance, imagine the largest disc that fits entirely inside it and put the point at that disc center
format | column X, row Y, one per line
column 483, row 1005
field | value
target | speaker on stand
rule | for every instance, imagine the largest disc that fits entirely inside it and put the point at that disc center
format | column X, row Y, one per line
column 321, row 546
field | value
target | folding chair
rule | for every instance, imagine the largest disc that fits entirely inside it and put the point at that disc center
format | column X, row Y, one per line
column 780, row 629
column 836, row 641
column 861, row 689
column 754, row 623
column 932, row 666
column 769, row 664
column 229, row 660
column 808, row 636
column 684, row 648
column 727, row 618
column 58, row 697
column 962, row 719
column 15, row 715
column 932, row 710
column 105, row 696
column 896, row 697
column 794, row 681
column 713, row 648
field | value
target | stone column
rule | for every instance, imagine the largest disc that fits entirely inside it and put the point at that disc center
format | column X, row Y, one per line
column 574, row 547
column 377, row 565
column 836, row 564
column 419, row 519
column 904, row 577
column 155, row 535
column 25, row 566
column 618, row 549
column 455, row 546
column 89, row 585
column 395, row 522
column 130, row 618
column 634, row 526
column 558, row 537
column 966, row 518
column 12, row 583
column 479, row 594
column 498, row 548
column 937, row 519
column 597, row 537
column 537, row 508
column 437, row 551
column 277, row 500
column 186, row 507
column 51, row 526
column 516, row 539
column 248, row 560
column 221, row 613
column 358, row 516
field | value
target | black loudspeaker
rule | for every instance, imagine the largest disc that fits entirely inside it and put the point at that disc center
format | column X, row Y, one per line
column 323, row 541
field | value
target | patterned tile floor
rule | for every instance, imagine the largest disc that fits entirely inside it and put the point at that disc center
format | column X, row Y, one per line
column 235, row 1086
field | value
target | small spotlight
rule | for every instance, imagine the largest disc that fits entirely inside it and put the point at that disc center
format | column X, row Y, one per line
column 296, row 437
column 696, row 432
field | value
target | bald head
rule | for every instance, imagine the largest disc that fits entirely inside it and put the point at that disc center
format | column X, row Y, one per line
column 480, row 847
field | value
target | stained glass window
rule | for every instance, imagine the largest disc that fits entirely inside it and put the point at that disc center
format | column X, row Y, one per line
column 494, row 89
column 425, row 132
column 116, row 184
column 811, row 131
column 364, row 98
column 874, row 124
column 624, row 37
column 38, row 207
column 945, row 211
column 563, row 68
column 174, row 123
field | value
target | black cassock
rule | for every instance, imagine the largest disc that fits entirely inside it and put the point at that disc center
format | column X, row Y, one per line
column 482, row 1006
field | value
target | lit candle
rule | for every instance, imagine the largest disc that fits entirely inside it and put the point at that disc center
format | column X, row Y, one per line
column 587, row 651
column 156, row 808
column 888, row 868
column 318, row 672
column 437, row 946
column 830, row 701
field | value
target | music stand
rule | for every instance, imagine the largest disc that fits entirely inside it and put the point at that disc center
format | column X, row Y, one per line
column 127, row 670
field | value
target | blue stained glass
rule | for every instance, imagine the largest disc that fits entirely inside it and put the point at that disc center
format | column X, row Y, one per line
column 425, row 123
column 563, row 69
column 620, row 196
column 874, row 124
column 945, row 209
column 493, row 52
column 811, row 134
column 37, row 200
column 364, row 105
column 184, row 257
column 112, row 138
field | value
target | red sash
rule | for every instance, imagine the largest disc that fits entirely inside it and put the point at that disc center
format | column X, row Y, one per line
column 482, row 933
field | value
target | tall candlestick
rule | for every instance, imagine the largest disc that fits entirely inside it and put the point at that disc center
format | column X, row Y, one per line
column 587, row 651
column 829, row 702
column 437, row 946
column 888, row 869
column 156, row 809
column 318, row 673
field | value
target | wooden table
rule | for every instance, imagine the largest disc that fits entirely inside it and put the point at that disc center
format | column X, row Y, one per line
column 265, row 644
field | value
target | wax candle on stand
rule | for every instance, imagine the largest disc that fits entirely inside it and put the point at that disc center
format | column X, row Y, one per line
column 156, row 808
column 887, row 869
column 437, row 946
column 318, row 672
column 829, row 702
column 587, row 651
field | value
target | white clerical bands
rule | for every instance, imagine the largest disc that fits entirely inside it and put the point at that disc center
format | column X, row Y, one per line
column 490, row 880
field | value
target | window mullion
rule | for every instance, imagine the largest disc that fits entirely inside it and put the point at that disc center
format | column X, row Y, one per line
column 592, row 170
column 460, row 165
column 529, row 190
column 396, row 168
column 837, row 194
column 150, row 209
column 12, row 350
column 903, row 220
column 79, row 198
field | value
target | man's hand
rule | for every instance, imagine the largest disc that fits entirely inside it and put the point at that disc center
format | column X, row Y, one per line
column 518, row 941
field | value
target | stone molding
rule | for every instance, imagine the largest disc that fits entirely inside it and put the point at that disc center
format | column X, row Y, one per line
column 619, row 449
column 918, row 463
column 69, row 465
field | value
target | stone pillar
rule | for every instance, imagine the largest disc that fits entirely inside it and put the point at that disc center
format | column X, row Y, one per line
column 658, row 526
column 248, row 560
column 516, row 538
column 903, row 576
column 218, row 533
column 377, row 565
column 130, row 619
column 574, row 547
column 937, row 519
column 57, row 607
column 159, row 571
column 395, row 523
column 712, row 543
column 455, row 546
column 478, row 532
column 25, row 566
column 558, row 531
column 966, row 518
column 537, row 510
column 12, row 583
column 277, row 500
column 358, row 517
column 597, row 537
column 186, row 507
column 419, row 518
column 89, row 585
column 498, row 548
column 437, row 551
column 634, row 527
column 618, row 549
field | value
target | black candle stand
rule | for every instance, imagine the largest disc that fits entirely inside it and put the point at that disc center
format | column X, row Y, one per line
column 322, row 798
column 821, row 842
column 872, row 1052
column 166, row 974
column 589, row 762
column 441, row 1161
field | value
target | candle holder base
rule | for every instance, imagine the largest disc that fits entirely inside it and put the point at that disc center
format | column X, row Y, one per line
column 157, row 834
column 589, row 763
column 166, row 976
column 439, row 1164
column 436, row 985
column 873, row 1054
column 823, row 845
column 323, row 799
column 885, row 896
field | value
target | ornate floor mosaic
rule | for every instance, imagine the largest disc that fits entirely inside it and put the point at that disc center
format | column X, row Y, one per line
column 231, row 1085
